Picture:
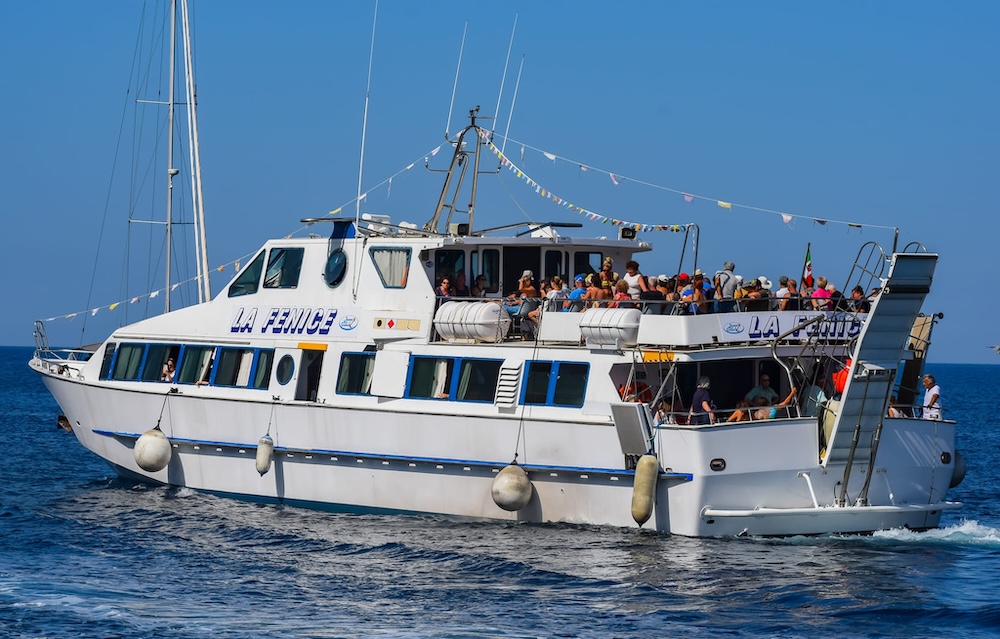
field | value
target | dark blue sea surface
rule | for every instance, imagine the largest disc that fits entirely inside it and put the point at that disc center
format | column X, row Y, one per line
column 85, row 554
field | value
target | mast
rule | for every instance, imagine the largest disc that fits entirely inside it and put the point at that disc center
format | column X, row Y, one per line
column 171, row 171
column 194, row 152
column 458, row 160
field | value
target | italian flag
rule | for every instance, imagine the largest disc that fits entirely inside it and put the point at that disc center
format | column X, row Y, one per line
column 807, row 274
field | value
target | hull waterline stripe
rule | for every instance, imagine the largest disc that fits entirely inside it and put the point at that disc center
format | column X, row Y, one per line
column 708, row 511
column 402, row 458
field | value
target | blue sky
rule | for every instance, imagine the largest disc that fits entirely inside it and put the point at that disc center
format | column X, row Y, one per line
column 878, row 113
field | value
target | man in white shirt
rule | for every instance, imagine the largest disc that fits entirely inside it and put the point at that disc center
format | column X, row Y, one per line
column 932, row 398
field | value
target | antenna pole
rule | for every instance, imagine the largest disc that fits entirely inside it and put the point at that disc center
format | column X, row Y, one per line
column 517, row 85
column 364, row 123
column 454, row 88
column 197, row 195
column 505, row 65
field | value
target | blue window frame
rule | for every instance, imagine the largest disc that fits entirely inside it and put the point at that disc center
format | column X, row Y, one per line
column 355, row 376
column 436, row 378
column 555, row 383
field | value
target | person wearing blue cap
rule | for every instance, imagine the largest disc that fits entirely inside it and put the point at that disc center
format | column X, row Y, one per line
column 575, row 301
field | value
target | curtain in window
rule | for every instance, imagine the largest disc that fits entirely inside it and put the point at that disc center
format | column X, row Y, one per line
column 393, row 265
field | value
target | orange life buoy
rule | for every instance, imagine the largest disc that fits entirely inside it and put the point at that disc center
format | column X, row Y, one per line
column 637, row 392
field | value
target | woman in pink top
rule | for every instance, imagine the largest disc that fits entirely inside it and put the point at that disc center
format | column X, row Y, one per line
column 821, row 296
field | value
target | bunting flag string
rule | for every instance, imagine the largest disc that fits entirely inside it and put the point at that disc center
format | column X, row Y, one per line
column 590, row 215
column 689, row 197
column 147, row 296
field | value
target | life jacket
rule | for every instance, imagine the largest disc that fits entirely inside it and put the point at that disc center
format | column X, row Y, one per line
column 637, row 392
column 840, row 378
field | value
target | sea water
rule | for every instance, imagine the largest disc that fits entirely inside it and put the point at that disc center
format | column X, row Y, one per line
column 84, row 554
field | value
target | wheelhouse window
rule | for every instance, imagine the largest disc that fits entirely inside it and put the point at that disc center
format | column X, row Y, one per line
column 487, row 264
column 555, row 383
column 430, row 377
column 553, row 264
column 109, row 357
column 392, row 265
column 127, row 362
column 283, row 268
column 355, row 376
column 587, row 262
column 249, row 279
column 477, row 380
column 448, row 263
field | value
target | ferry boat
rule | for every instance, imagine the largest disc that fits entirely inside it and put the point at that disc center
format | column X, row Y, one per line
column 329, row 374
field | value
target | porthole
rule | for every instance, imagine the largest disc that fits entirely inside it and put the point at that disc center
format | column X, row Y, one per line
column 336, row 268
column 286, row 366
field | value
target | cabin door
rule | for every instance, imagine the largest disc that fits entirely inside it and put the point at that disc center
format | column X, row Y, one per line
column 517, row 260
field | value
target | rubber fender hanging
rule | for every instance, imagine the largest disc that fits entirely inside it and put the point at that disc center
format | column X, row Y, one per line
column 152, row 451
column 647, row 471
column 511, row 488
column 265, row 451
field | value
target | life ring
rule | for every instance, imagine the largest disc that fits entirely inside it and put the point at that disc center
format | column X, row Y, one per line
column 637, row 392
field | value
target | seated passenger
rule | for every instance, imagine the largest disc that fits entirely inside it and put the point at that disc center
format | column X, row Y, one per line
column 693, row 294
column 460, row 288
column 821, row 296
column 556, row 295
column 893, row 411
column 479, row 288
column 574, row 301
column 525, row 291
column 444, row 288
column 742, row 412
column 859, row 303
column 655, row 297
column 762, row 390
column 772, row 411
column 622, row 299
column 168, row 371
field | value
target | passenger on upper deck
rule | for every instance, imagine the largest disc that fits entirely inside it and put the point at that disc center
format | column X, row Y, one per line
column 556, row 295
column 636, row 281
column 516, row 301
column 460, row 288
column 656, row 298
column 762, row 390
column 725, row 287
column 792, row 301
column 479, row 288
column 574, row 303
column 621, row 299
column 694, row 294
column 607, row 268
column 821, row 296
column 444, row 288
column 778, row 299
column 859, row 303
column 607, row 285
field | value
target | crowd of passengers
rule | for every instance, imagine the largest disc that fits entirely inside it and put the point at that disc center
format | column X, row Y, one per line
column 681, row 294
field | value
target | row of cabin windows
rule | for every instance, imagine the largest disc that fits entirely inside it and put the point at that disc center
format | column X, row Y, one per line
column 284, row 266
column 546, row 383
column 214, row 365
column 451, row 262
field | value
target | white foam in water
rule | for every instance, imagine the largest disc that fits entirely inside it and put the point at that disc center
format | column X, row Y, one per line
column 966, row 532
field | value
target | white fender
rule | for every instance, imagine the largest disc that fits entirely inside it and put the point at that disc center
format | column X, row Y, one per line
column 265, row 450
column 647, row 471
column 152, row 451
column 512, row 488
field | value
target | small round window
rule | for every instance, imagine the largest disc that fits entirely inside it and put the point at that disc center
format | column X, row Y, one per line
column 286, row 366
column 336, row 267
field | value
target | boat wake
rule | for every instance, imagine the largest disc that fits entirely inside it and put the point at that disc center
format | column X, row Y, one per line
column 968, row 532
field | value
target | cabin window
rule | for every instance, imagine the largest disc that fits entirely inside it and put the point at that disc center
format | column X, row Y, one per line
column 587, row 263
column 355, row 376
column 286, row 366
column 128, row 361
column 262, row 371
column 489, row 267
column 477, row 380
column 430, row 377
column 109, row 357
column 555, row 383
column 448, row 263
column 392, row 264
column 233, row 367
column 336, row 268
column 283, row 268
column 196, row 365
column 155, row 369
column 249, row 279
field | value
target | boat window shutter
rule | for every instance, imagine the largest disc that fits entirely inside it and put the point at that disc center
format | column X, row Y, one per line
column 509, row 384
column 389, row 376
